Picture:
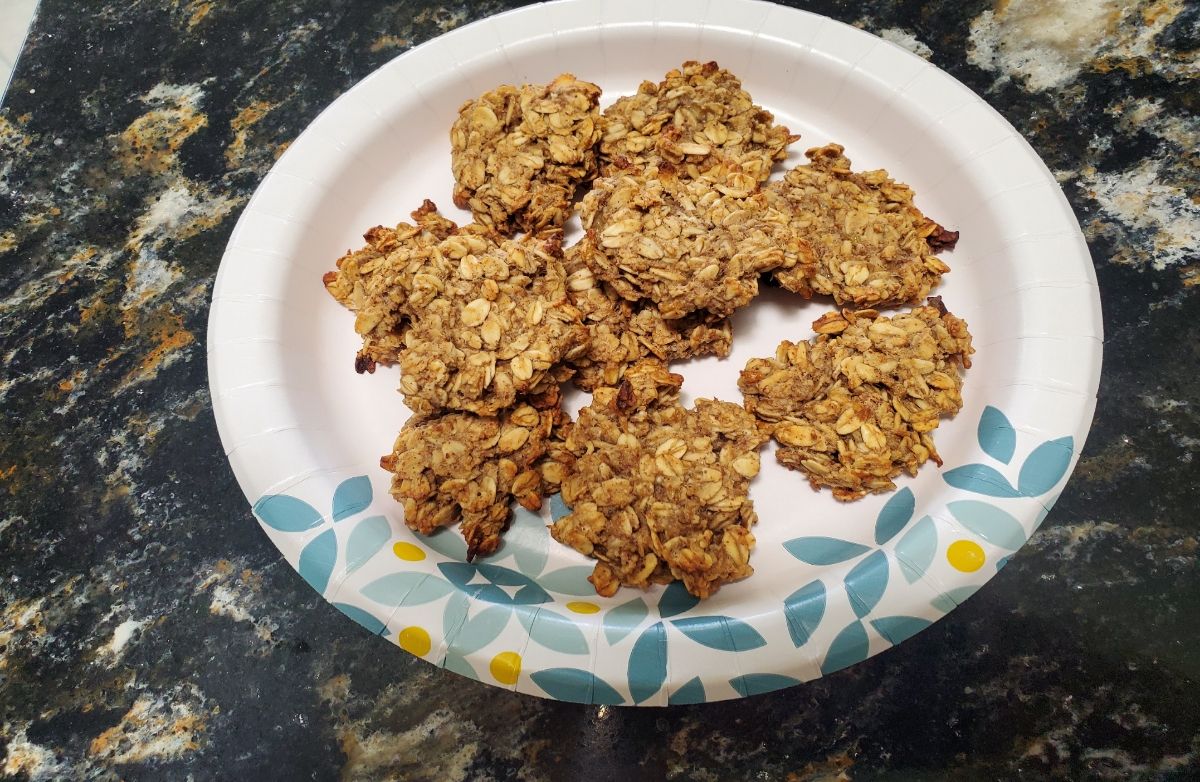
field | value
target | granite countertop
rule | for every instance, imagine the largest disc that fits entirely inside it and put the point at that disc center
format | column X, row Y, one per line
column 151, row 631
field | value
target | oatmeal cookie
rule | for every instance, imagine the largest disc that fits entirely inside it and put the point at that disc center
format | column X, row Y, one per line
column 488, row 327
column 682, row 244
column 698, row 119
column 855, row 407
column 368, row 281
column 867, row 245
column 469, row 468
column 622, row 332
column 518, row 153
column 657, row 492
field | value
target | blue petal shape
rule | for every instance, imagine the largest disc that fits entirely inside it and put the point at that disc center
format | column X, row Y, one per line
column 899, row 628
column 994, row 525
column 367, row 538
column 980, row 479
column 691, row 692
column 317, row 559
column 408, row 589
column 457, row 664
column 352, row 495
column 463, row 576
column 480, row 630
column 553, row 631
column 558, row 508
column 620, row 621
column 286, row 514
column 448, row 543
column 916, row 549
column 648, row 663
column 804, row 609
column 866, row 582
column 720, row 632
column 577, row 686
column 895, row 514
column 1045, row 467
column 824, row 551
column 529, row 536
column 1000, row 563
column 759, row 683
column 997, row 437
column 364, row 618
column 850, row 646
column 675, row 600
column 454, row 614
column 569, row 581
column 952, row 598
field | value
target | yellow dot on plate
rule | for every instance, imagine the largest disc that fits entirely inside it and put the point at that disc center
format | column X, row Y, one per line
column 506, row 667
column 583, row 607
column 965, row 555
column 408, row 552
column 415, row 640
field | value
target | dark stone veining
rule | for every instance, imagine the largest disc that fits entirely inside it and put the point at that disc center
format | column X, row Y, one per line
column 150, row 631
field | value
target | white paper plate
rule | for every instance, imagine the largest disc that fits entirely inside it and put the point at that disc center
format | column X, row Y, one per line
column 834, row 583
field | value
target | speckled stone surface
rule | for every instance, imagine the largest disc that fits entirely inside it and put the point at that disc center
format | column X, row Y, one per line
column 150, row 630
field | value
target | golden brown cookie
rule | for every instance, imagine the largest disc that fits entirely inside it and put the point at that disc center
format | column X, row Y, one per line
column 622, row 332
column 657, row 492
column 518, row 153
column 488, row 327
column 373, row 282
column 856, row 407
column 469, row 468
column 684, row 245
column 867, row 245
column 699, row 120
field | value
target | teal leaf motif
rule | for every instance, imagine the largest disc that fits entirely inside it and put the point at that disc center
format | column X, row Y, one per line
column 364, row 618
column 465, row 576
column 997, row 437
column 648, row 663
column 407, row 589
column 568, row 581
column 577, row 686
column 553, row 631
column 980, row 479
column 759, row 683
column 454, row 614
column 899, row 628
column 804, row 609
column 689, row 693
column 850, row 646
column 529, row 536
column 317, row 559
column 952, row 598
column 620, row 621
column 994, row 525
column 558, row 508
column 916, row 549
column 1045, row 467
column 365, row 541
column 895, row 514
column 823, row 551
column 675, row 600
column 866, row 582
column 446, row 542
column 1000, row 563
column 480, row 630
column 458, row 664
column 352, row 495
column 720, row 632
column 286, row 514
